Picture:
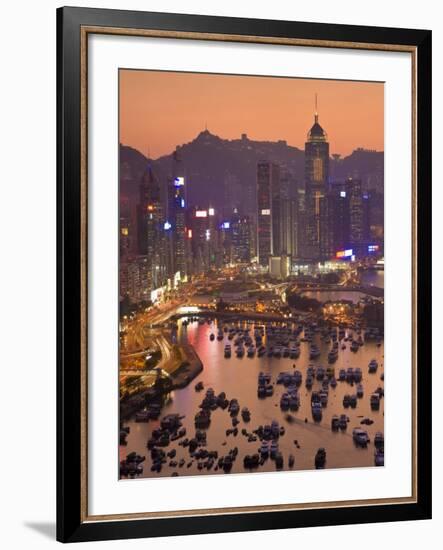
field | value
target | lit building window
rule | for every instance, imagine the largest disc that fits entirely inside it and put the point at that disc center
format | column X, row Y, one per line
column 318, row 169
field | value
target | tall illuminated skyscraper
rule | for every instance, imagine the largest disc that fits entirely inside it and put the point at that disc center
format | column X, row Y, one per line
column 125, row 237
column 289, row 222
column 339, row 222
column 240, row 237
column 359, row 224
column 151, row 236
column 177, row 215
column 316, row 183
column 268, row 188
column 204, row 240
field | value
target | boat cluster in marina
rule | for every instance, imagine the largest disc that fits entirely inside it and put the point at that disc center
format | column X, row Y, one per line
column 282, row 340
column 313, row 384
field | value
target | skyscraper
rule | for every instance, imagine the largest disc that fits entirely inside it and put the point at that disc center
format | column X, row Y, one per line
column 359, row 217
column 302, row 246
column 204, row 238
column 268, row 210
column 128, row 245
column 339, row 223
column 151, row 236
column 289, row 214
column 233, row 193
column 125, row 237
column 326, row 225
column 177, row 215
column 135, row 279
column 316, row 184
column 240, row 237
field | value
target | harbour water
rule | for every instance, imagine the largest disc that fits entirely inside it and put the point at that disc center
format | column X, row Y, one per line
column 372, row 277
column 369, row 277
column 330, row 296
column 237, row 377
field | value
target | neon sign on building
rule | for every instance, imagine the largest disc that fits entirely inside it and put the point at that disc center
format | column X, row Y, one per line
column 344, row 253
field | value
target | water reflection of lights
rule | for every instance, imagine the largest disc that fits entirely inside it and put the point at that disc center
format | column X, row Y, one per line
column 188, row 309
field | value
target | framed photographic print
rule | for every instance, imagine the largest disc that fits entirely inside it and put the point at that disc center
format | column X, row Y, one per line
column 244, row 269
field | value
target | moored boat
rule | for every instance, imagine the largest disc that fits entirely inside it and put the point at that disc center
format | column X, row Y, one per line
column 379, row 440
column 358, row 375
column 264, row 449
column 335, row 423
column 373, row 366
column 317, row 412
column 343, row 422
column 360, row 437
column 320, row 458
column 142, row 416
column 379, row 457
column 375, row 401
column 246, row 414
column 284, row 402
column 202, row 419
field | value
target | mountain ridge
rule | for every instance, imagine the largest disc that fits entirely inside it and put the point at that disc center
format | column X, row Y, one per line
column 214, row 165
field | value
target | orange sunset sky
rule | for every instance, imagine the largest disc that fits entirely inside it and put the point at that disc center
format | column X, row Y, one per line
column 159, row 110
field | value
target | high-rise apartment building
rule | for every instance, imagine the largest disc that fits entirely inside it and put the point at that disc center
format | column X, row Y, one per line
column 241, row 231
column 268, row 210
column 176, row 220
column 151, row 230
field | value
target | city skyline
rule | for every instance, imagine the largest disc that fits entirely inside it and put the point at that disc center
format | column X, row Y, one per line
column 276, row 221
column 155, row 119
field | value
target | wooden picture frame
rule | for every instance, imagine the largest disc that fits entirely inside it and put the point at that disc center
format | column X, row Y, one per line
column 74, row 523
